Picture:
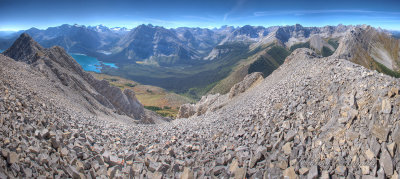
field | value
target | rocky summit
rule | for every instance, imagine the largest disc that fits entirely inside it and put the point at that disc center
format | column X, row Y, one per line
column 313, row 117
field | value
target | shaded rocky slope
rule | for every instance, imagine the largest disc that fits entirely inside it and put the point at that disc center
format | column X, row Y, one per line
column 311, row 118
column 61, row 69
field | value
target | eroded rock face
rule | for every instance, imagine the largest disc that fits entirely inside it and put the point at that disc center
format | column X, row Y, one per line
column 186, row 110
column 214, row 102
column 59, row 66
column 249, row 81
column 207, row 103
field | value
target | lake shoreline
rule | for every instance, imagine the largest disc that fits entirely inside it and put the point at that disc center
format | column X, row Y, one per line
column 89, row 63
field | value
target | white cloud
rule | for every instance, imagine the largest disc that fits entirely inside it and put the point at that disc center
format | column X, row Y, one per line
column 305, row 12
column 237, row 6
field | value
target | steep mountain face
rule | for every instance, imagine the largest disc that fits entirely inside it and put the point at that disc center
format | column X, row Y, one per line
column 60, row 68
column 249, row 35
column 372, row 49
column 285, row 36
column 290, row 35
column 155, row 45
column 201, row 39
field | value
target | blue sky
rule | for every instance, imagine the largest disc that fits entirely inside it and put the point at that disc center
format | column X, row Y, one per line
column 18, row 14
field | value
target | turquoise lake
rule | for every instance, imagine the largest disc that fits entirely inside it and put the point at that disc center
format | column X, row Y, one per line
column 89, row 63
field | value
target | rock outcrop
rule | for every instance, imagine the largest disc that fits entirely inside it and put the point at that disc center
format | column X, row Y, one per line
column 58, row 66
column 212, row 102
column 248, row 82
column 207, row 103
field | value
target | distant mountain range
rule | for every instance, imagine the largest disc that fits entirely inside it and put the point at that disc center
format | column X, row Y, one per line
column 196, row 61
column 161, row 46
column 166, row 47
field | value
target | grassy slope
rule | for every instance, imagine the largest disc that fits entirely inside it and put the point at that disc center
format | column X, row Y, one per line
column 169, row 102
column 238, row 73
column 383, row 69
column 268, row 58
column 299, row 45
column 334, row 42
column 326, row 52
column 269, row 61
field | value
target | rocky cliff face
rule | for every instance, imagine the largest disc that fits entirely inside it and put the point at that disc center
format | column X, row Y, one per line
column 59, row 67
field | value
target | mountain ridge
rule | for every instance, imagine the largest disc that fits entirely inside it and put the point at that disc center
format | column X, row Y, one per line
column 97, row 42
column 59, row 67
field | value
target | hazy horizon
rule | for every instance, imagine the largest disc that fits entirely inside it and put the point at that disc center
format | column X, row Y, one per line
column 44, row 28
column 20, row 15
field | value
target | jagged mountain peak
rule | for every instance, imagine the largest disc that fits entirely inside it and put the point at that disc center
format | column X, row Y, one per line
column 24, row 49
